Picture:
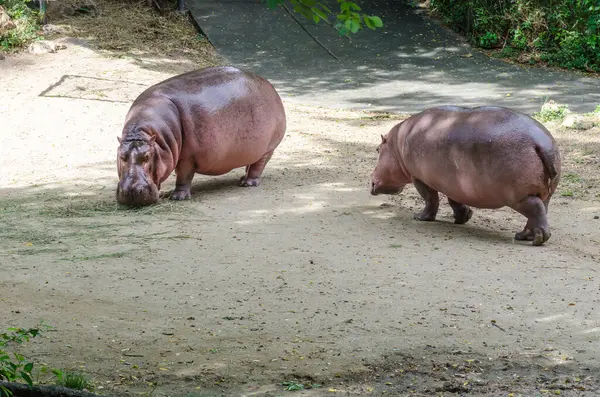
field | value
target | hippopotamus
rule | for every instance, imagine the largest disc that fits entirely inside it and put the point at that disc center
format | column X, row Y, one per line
column 207, row 121
column 483, row 157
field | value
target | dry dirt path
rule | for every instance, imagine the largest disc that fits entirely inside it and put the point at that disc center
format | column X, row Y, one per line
column 307, row 277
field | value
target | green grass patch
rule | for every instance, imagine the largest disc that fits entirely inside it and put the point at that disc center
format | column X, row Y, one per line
column 75, row 381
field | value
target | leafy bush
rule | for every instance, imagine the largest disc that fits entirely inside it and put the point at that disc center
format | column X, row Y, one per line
column 564, row 33
column 27, row 25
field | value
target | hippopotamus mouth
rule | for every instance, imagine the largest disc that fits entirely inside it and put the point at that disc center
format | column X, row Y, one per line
column 137, row 194
column 391, row 190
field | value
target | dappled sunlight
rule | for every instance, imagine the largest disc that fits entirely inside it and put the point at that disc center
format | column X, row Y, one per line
column 591, row 331
column 551, row 318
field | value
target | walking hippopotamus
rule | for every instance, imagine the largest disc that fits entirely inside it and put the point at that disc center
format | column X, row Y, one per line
column 207, row 121
column 484, row 157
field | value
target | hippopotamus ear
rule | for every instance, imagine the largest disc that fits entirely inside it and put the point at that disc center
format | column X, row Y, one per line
column 383, row 139
column 119, row 139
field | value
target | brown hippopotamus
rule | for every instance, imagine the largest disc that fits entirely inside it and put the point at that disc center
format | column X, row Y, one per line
column 207, row 121
column 484, row 157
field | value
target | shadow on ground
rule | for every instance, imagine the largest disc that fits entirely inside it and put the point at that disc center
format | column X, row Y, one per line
column 410, row 64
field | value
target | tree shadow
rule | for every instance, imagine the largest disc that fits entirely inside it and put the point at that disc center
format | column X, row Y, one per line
column 410, row 64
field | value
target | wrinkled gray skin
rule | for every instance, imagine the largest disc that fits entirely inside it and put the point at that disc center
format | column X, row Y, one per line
column 484, row 157
column 208, row 121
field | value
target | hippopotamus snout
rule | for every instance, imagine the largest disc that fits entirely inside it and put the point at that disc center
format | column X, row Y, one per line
column 137, row 194
column 378, row 186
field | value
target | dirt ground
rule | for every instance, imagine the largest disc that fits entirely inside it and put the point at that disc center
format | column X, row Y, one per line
column 306, row 279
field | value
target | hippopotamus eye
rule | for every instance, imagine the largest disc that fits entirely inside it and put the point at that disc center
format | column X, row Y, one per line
column 377, row 150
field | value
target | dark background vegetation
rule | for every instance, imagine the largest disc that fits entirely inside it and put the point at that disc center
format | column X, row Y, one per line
column 563, row 33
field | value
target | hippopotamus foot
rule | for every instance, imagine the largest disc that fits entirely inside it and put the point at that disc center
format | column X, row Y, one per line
column 254, row 171
column 462, row 213
column 185, row 171
column 245, row 181
column 536, row 229
column 432, row 202
column 181, row 194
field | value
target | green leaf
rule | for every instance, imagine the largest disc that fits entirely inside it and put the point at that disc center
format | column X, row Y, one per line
column 354, row 27
column 27, row 378
column 354, row 6
column 325, row 8
column 309, row 3
column 368, row 22
column 348, row 24
column 28, row 367
column 316, row 18
column 272, row 4
column 318, row 12
column 377, row 21
column 345, row 7
column 5, row 392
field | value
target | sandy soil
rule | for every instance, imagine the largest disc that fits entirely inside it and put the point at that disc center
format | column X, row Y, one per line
column 307, row 278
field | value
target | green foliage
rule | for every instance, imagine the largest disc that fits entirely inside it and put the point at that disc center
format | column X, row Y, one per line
column 14, row 367
column 295, row 386
column 563, row 33
column 349, row 19
column 73, row 380
column 17, row 367
column 27, row 24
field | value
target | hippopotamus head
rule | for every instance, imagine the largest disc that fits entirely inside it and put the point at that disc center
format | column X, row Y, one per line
column 135, row 164
column 388, row 177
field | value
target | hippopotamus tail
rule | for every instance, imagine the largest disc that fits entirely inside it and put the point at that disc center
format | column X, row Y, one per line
column 548, row 158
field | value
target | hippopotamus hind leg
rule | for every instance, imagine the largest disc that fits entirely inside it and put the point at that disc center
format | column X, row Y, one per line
column 462, row 213
column 185, row 171
column 432, row 202
column 254, row 171
column 536, row 229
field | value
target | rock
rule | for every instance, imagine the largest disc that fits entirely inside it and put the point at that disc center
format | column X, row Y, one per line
column 550, row 106
column 577, row 122
column 5, row 22
column 58, row 8
column 56, row 29
column 44, row 47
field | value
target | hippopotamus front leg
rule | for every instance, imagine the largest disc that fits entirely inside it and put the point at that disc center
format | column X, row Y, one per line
column 432, row 201
column 254, row 171
column 462, row 213
column 536, row 229
column 185, row 171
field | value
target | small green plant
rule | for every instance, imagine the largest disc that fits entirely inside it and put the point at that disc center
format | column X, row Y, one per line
column 567, row 193
column 17, row 368
column 552, row 113
column 73, row 380
column 488, row 40
column 292, row 386
column 295, row 386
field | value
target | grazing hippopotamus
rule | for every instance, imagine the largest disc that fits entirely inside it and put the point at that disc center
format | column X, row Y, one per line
column 208, row 121
column 484, row 157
